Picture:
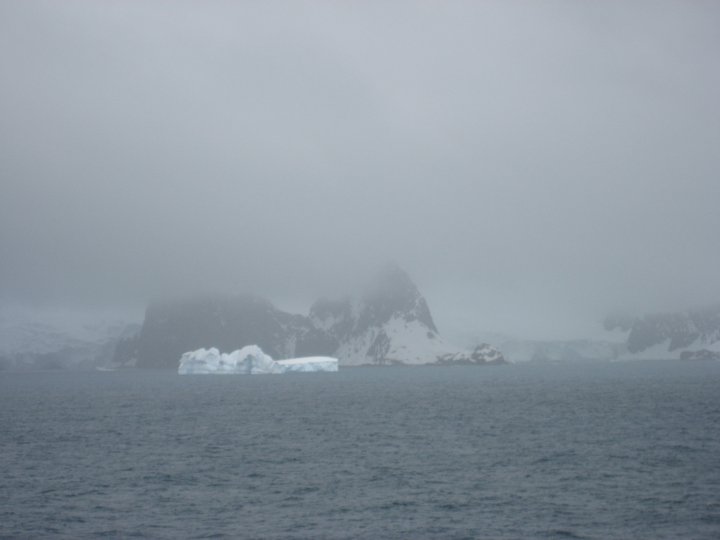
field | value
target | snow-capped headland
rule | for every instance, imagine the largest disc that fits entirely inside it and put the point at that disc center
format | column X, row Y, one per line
column 388, row 323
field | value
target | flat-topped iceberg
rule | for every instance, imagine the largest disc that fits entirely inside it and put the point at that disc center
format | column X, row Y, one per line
column 250, row 360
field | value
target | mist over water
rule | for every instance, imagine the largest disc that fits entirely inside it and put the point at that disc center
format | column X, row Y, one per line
column 531, row 166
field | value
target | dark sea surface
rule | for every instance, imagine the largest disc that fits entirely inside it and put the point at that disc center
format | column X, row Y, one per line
column 598, row 451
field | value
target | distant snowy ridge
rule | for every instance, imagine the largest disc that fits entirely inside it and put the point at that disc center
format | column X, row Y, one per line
column 250, row 360
column 690, row 334
column 686, row 335
column 59, row 339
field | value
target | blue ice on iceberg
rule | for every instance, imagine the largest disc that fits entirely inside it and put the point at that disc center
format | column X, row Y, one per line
column 250, row 360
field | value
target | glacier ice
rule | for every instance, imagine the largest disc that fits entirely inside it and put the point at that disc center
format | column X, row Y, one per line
column 250, row 360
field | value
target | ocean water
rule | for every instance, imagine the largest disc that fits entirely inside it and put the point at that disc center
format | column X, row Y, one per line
column 599, row 451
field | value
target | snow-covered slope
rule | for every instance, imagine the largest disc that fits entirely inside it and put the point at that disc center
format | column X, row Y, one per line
column 394, row 341
column 390, row 324
column 58, row 339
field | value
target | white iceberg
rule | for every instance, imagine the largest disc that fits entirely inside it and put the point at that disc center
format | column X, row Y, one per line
column 249, row 360
column 308, row 364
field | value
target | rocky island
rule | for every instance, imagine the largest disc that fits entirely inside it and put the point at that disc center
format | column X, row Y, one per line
column 389, row 323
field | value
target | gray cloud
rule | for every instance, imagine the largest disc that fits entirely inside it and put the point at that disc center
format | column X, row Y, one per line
column 531, row 165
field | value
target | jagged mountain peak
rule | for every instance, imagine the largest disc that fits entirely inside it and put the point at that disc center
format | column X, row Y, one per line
column 393, row 294
column 388, row 322
column 390, row 295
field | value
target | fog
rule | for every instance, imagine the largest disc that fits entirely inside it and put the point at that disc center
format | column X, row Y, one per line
column 531, row 165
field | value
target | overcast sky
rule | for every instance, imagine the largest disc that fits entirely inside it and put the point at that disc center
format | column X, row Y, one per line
column 532, row 165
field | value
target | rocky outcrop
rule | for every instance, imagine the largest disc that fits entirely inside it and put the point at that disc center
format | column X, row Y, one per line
column 482, row 354
column 557, row 351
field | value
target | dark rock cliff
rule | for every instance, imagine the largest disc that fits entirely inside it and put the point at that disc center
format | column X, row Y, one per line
column 226, row 322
